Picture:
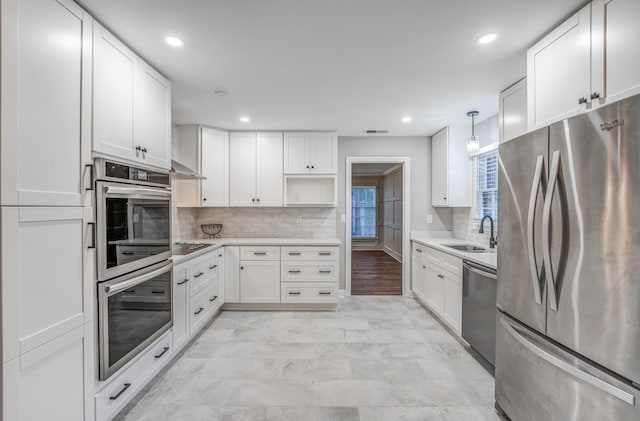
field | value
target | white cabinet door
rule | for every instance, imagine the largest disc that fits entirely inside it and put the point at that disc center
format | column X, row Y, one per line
column 114, row 72
column 622, row 33
column 46, row 103
column 47, row 275
column 323, row 153
column 232, row 274
column 152, row 113
column 419, row 276
column 53, row 381
column 296, row 153
column 269, row 176
column 215, row 167
column 440, row 168
column 513, row 111
column 180, row 305
column 559, row 71
column 435, row 289
column 260, row 281
column 221, row 275
column 242, row 169
column 453, row 300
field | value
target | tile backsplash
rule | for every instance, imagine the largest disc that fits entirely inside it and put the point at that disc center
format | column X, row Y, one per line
column 465, row 227
column 257, row 222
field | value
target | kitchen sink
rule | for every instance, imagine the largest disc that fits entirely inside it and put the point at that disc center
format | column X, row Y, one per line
column 466, row 248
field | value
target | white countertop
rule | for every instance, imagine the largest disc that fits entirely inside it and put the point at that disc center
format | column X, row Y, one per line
column 221, row 242
column 486, row 259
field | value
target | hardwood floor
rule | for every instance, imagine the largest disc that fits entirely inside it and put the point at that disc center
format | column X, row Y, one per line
column 374, row 272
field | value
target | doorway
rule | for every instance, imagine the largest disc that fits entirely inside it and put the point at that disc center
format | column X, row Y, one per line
column 377, row 217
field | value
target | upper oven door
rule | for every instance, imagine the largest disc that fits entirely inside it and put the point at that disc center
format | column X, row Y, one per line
column 134, row 227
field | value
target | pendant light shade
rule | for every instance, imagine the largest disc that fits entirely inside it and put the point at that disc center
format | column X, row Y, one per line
column 473, row 142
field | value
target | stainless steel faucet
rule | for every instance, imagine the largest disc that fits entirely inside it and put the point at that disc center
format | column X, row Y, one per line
column 492, row 239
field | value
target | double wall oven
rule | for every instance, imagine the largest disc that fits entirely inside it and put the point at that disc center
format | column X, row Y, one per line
column 133, row 250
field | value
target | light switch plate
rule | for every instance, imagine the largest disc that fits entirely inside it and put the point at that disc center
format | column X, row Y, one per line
column 343, row 218
column 429, row 219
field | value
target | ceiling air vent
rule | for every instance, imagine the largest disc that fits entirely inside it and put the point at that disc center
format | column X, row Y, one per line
column 373, row 131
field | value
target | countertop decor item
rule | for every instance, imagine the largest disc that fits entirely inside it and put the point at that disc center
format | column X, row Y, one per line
column 211, row 230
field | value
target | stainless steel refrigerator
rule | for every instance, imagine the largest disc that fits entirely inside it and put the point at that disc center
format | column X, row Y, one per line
column 568, row 335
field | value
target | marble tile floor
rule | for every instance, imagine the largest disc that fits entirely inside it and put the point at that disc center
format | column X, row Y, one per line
column 374, row 359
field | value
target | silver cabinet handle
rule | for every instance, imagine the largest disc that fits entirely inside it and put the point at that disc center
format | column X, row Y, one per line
column 538, row 179
column 198, row 311
column 324, row 271
column 164, row 351
column 294, row 292
column 199, row 274
column 324, row 253
column 158, row 292
column 212, row 299
column 121, row 286
column 260, row 253
column 213, row 267
column 419, row 250
column 137, row 192
column 546, row 231
column 183, row 282
column 294, row 271
column 93, row 235
column 294, row 253
column 324, row 293
column 127, row 253
column 480, row 272
column 558, row 362
column 90, row 166
column 117, row 395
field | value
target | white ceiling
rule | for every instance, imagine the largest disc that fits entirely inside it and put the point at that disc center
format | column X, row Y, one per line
column 344, row 65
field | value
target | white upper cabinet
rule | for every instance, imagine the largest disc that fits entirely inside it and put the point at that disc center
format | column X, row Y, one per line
column 46, row 103
column 559, row 71
column 215, row 167
column 513, row 111
column 152, row 123
column 131, row 104
column 450, row 168
column 255, row 169
column 622, row 59
column 310, row 153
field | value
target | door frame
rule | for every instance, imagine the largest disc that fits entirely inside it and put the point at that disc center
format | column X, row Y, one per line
column 406, row 214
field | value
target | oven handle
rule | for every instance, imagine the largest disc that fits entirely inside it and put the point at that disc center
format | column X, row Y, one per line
column 119, row 287
column 137, row 192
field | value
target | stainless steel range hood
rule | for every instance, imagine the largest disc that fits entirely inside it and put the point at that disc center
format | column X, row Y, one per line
column 182, row 172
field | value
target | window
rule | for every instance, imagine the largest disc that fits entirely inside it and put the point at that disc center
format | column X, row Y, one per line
column 486, row 171
column 363, row 212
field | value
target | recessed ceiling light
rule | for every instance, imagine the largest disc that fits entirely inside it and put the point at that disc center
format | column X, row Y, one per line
column 176, row 42
column 406, row 119
column 486, row 39
column 245, row 119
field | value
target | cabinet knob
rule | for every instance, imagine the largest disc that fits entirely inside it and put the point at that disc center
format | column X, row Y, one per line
column 582, row 100
column 144, row 150
column 424, row 267
column 138, row 148
column 444, row 198
column 241, row 267
column 312, row 167
column 204, row 199
column 595, row 95
column 253, row 200
column 258, row 200
column 307, row 167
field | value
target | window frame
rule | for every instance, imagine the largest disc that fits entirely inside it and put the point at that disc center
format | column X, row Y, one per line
column 490, row 149
column 375, row 208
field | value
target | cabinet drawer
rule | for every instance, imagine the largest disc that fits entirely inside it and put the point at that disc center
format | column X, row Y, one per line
column 446, row 261
column 309, row 271
column 260, row 253
column 128, row 383
column 201, row 307
column 203, row 272
column 419, row 252
column 309, row 253
column 310, row 293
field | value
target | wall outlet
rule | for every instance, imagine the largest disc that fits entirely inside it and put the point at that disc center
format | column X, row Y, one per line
column 343, row 218
column 429, row 219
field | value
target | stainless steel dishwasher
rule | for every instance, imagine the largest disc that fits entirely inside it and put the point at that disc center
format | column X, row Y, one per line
column 479, row 316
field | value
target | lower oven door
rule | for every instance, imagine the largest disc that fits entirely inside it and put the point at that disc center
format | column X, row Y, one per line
column 134, row 310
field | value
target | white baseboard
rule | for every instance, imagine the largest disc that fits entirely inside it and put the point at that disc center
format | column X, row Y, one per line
column 342, row 293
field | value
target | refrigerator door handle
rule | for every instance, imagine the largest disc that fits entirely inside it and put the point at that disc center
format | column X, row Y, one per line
column 567, row 367
column 538, row 178
column 546, row 231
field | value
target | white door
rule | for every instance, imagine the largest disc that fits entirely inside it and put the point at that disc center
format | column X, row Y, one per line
column 180, row 305
column 435, row 289
column 513, row 111
column 242, row 169
column 453, row 300
column 440, row 168
column 47, row 274
column 53, row 381
column 296, row 153
column 269, row 176
column 215, row 167
column 232, row 274
column 152, row 116
column 323, row 153
column 260, row 282
column 46, row 103
column 114, row 70
column 621, row 45
column 559, row 71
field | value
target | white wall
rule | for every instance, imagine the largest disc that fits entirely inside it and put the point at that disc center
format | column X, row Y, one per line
column 418, row 149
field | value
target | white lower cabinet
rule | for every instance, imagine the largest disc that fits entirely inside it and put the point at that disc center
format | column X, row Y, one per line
column 260, row 281
column 437, row 282
column 115, row 393
column 310, row 275
column 232, row 274
column 181, row 279
column 52, row 382
column 309, row 292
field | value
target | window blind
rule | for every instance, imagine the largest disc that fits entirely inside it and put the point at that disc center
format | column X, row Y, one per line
column 486, row 169
column 363, row 212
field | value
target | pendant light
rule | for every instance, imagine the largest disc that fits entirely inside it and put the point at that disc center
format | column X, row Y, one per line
column 473, row 142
